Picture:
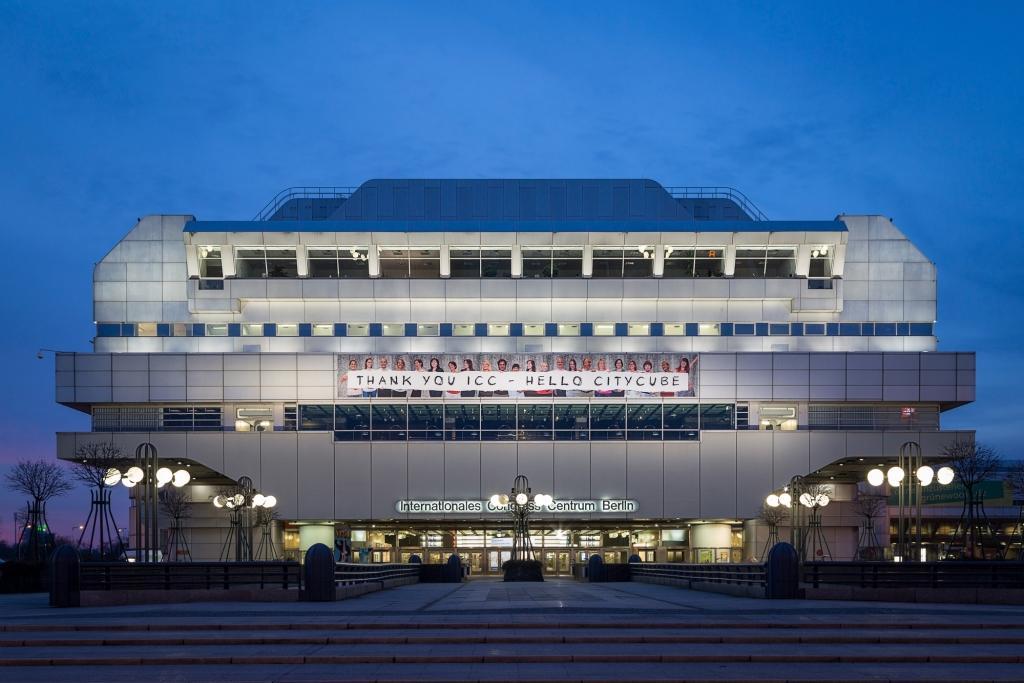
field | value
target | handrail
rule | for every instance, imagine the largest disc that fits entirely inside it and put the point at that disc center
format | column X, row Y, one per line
column 307, row 192
column 742, row 574
column 724, row 192
column 941, row 574
column 348, row 573
column 108, row 576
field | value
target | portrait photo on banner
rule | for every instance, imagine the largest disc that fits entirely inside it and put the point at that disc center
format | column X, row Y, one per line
column 516, row 375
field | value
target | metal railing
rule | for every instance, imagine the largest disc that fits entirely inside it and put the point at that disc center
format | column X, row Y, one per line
column 738, row 574
column 719, row 193
column 301, row 193
column 967, row 574
column 109, row 576
column 347, row 574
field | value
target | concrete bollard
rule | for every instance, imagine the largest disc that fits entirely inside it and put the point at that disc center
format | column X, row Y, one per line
column 318, row 574
column 595, row 569
column 65, row 578
column 453, row 569
column 783, row 573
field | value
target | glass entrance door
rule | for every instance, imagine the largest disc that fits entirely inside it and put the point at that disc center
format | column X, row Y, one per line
column 556, row 562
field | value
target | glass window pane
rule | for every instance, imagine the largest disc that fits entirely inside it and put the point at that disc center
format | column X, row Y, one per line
column 145, row 329
column 708, row 330
column 181, row 330
column 316, row 417
column 572, row 422
column 749, row 267
column 352, row 417
column 394, row 268
column 678, row 268
column 393, row 329
column 464, row 268
column 607, row 421
column 643, row 421
column 604, row 329
column 537, row 267
column 323, row 268
column 780, row 267
column 425, row 265
column 681, row 416
column 463, row 252
column 323, row 329
column 388, row 422
column 217, row 330
column 674, row 329
column 357, row 330
column 210, row 262
column 322, row 253
column 492, row 267
column 250, row 252
column 497, row 329
column 287, row 330
column 426, row 422
column 535, row 421
column 280, row 267
column 708, row 268
column 353, row 262
column 462, row 422
column 637, row 266
column 639, row 329
column 463, row 329
column 717, row 416
column 533, row 329
column 497, row 422
column 250, row 268
column 428, row 330
column 606, row 267
column 568, row 329
column 571, row 266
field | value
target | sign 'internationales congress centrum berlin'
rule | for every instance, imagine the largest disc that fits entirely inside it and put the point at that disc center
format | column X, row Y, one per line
column 518, row 381
column 606, row 506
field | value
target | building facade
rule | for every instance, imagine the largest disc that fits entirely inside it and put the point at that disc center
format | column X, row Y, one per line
column 383, row 359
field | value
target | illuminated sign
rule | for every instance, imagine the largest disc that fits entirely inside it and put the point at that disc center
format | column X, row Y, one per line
column 478, row 507
column 648, row 382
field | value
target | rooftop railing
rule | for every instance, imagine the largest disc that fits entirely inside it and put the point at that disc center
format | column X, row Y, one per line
column 719, row 193
column 290, row 193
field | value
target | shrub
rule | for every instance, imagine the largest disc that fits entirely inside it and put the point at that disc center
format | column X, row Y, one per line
column 523, row 570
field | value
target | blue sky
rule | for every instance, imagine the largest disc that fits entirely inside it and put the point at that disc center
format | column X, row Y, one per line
column 116, row 110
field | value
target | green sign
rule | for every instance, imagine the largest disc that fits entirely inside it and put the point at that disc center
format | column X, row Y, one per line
column 953, row 494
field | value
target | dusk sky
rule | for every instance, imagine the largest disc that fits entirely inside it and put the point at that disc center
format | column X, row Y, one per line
column 117, row 110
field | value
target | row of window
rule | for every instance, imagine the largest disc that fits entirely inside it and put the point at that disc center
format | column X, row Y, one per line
column 517, row 422
column 496, row 262
column 762, row 329
column 155, row 418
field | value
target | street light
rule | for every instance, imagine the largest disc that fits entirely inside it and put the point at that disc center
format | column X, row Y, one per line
column 240, row 501
column 520, row 506
column 814, row 498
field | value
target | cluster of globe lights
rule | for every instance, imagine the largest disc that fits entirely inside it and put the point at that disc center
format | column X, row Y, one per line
column 540, row 500
column 775, row 500
column 135, row 474
column 925, row 476
column 238, row 500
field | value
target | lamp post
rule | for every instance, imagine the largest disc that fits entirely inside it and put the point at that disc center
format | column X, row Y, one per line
column 814, row 499
column 240, row 501
column 521, row 502
column 909, row 476
column 146, row 477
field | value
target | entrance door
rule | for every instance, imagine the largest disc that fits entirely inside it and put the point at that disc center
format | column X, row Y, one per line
column 556, row 562
column 496, row 558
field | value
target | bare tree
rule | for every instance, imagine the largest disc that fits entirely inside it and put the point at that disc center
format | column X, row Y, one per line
column 1015, row 482
column 774, row 516
column 39, row 480
column 870, row 506
column 176, row 503
column 94, row 460
column 973, row 463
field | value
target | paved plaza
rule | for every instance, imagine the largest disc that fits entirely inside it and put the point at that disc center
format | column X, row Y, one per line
column 485, row 629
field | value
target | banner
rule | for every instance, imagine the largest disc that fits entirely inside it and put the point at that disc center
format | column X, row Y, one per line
column 516, row 375
column 449, row 507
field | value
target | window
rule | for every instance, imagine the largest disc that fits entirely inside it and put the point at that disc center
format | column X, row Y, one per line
column 643, row 422
column 821, row 262
column 691, row 262
column 253, row 262
column 607, row 421
column 217, row 330
column 389, row 422
column 533, row 329
column 316, row 417
column 717, row 416
column 604, row 329
column 777, row 417
column 426, row 422
column 497, row 329
column 287, row 329
column 480, row 262
column 357, row 330
column 334, row 262
column 463, row 330
column 462, row 422
column 552, row 262
column 181, row 330
column 497, row 422
column 145, row 329
column 535, row 422
column 762, row 262
column 351, row 423
column 210, row 262
column 708, row 330
column 323, row 329
column 674, row 330
column 393, row 329
column 291, row 418
column 252, row 329
column 681, row 421
column 572, row 422
column 192, row 419
column 568, row 329
column 639, row 329
column 428, row 330
column 416, row 262
column 622, row 261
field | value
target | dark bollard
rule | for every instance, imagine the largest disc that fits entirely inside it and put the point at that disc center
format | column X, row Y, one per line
column 634, row 558
column 318, row 574
column 453, row 569
column 65, row 578
column 595, row 569
column 783, row 573
column 415, row 559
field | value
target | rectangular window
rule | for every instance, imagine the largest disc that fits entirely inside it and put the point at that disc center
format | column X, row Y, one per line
column 622, row 262
column 357, row 330
column 462, row 422
column 145, row 329
column 389, row 422
column 323, row 329
column 497, row 329
column 351, row 423
column 708, row 330
column 217, row 330
column 287, row 329
column 643, row 422
column 497, row 422
column 252, row 329
column 479, row 262
column 334, row 262
column 552, row 262
column 608, row 421
column 211, row 265
column 535, row 422
column 765, row 262
column 682, row 421
column 393, row 329
column 192, row 419
column 414, row 262
column 568, row 329
column 463, row 330
column 674, row 329
column 572, row 422
column 821, row 262
column 181, row 330
column 316, row 417
column 533, row 329
column 717, row 416
column 604, row 329
column 691, row 262
column 259, row 262
column 428, row 330
column 639, row 329
column 426, row 422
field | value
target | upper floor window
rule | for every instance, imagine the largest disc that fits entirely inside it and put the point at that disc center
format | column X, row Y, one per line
column 480, row 262
column 210, row 262
column 689, row 262
column 416, row 262
column 821, row 262
column 623, row 261
column 265, row 262
column 338, row 262
column 552, row 262
column 758, row 262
